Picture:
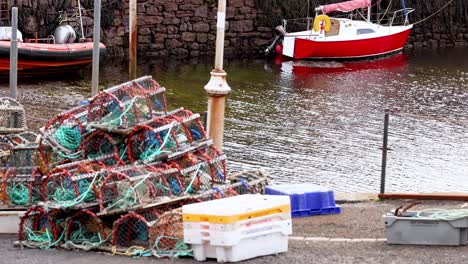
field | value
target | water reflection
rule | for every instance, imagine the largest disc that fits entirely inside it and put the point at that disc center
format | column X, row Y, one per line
column 322, row 122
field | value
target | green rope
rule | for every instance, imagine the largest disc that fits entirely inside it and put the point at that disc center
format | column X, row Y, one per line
column 189, row 187
column 115, row 119
column 180, row 248
column 18, row 194
column 44, row 238
column 68, row 137
column 150, row 153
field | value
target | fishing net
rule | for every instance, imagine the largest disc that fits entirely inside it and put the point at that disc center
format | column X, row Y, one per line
column 166, row 236
column 131, row 230
column 85, row 231
column 38, row 229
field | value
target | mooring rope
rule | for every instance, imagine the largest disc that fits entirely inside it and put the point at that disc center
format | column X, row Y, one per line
column 426, row 18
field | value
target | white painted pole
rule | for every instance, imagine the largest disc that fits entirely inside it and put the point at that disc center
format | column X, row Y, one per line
column 217, row 88
column 14, row 54
column 132, row 52
column 96, row 39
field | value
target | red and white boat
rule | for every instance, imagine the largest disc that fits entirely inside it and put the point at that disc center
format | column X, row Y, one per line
column 346, row 37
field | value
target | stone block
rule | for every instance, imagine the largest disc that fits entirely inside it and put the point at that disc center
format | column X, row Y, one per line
column 152, row 10
column 170, row 7
column 242, row 26
column 235, row 3
column 173, row 43
column 144, row 31
column 188, row 36
column 201, row 27
column 144, row 39
column 201, row 11
column 202, row 37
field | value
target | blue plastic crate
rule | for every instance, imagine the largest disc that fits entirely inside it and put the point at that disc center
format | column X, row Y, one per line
column 307, row 199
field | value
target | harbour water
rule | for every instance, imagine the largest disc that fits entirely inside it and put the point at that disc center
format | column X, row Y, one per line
column 322, row 122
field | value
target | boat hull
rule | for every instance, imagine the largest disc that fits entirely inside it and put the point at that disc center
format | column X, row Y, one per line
column 349, row 49
column 42, row 57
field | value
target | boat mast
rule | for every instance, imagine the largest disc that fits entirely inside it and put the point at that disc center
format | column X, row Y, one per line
column 308, row 14
column 369, row 12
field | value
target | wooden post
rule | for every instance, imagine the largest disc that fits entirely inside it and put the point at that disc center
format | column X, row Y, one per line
column 132, row 53
column 217, row 88
column 96, row 39
column 14, row 54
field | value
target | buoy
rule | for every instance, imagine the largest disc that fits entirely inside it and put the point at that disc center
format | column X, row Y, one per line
column 279, row 49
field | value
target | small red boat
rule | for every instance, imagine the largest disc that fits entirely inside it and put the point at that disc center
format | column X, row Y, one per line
column 44, row 56
column 346, row 37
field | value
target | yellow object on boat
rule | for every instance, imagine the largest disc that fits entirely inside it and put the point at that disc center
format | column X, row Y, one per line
column 319, row 19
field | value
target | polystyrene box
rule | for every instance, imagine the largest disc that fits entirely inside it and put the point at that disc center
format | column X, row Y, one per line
column 238, row 228
column 307, row 199
column 413, row 230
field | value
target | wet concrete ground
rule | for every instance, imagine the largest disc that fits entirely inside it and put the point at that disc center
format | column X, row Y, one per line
column 358, row 220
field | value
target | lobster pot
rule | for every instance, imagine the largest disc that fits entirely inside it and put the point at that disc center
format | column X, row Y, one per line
column 119, row 191
column 24, row 156
column 249, row 182
column 65, row 132
column 12, row 116
column 167, row 183
column 100, row 144
column 58, row 186
column 39, row 228
column 238, row 228
column 23, row 138
column 85, row 231
column 166, row 235
column 130, row 230
column 19, row 186
column 145, row 143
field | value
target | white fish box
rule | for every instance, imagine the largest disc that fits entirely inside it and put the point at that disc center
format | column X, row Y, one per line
column 10, row 221
column 238, row 228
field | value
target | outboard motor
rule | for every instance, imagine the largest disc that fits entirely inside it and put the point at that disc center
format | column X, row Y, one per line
column 281, row 32
column 64, row 34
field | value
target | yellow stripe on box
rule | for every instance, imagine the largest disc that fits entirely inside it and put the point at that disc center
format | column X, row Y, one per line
column 228, row 219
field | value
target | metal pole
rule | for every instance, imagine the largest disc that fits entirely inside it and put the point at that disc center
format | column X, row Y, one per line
column 81, row 20
column 96, row 39
column 14, row 53
column 132, row 53
column 384, row 151
column 217, row 88
column 369, row 13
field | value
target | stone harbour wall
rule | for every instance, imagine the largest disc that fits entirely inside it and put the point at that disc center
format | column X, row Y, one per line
column 187, row 28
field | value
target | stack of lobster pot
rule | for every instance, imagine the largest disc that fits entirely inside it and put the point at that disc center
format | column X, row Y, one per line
column 112, row 174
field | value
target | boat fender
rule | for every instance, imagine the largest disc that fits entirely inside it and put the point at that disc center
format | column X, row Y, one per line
column 322, row 18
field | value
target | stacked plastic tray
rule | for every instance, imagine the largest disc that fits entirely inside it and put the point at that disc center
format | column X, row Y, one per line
column 238, row 228
column 307, row 199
